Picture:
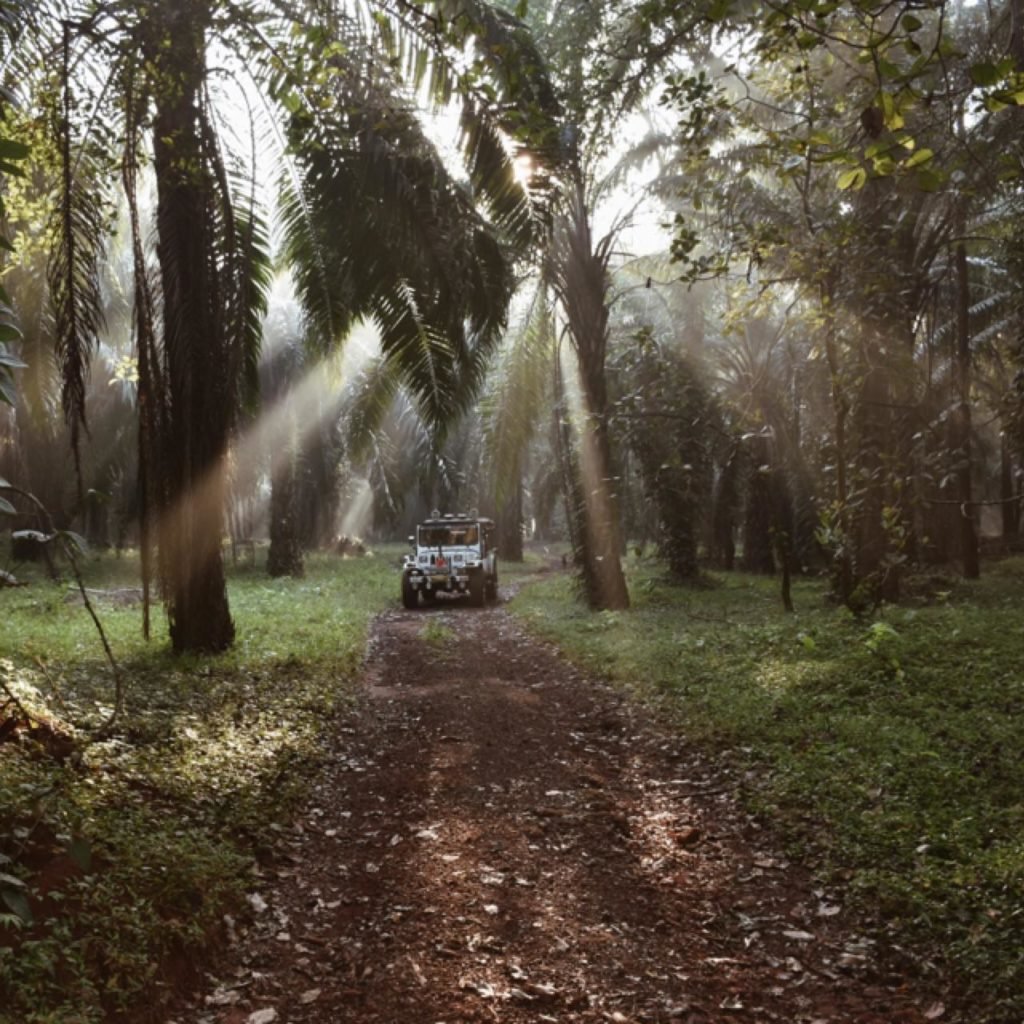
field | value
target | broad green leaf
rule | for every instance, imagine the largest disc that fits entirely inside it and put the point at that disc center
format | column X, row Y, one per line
column 852, row 179
column 80, row 852
column 911, row 23
column 7, row 508
column 984, row 74
column 11, row 150
column 922, row 156
column 928, row 180
column 17, row 901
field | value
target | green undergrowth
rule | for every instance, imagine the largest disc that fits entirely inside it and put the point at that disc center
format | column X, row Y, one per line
column 119, row 858
column 889, row 750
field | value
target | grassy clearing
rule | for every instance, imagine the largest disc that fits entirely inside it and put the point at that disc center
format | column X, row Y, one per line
column 889, row 750
column 121, row 856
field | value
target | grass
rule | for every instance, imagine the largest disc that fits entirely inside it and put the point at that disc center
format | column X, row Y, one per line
column 889, row 750
column 118, row 857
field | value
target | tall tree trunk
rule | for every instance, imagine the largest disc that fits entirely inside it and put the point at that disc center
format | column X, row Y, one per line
column 1008, row 493
column 581, row 283
column 198, row 370
column 568, row 466
column 723, row 511
column 758, row 518
column 1016, row 46
column 510, row 524
column 843, row 566
column 285, row 555
column 602, row 508
column 968, row 534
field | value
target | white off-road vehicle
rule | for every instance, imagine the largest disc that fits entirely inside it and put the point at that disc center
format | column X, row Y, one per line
column 451, row 554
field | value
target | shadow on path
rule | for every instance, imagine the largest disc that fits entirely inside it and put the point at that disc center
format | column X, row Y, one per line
column 498, row 838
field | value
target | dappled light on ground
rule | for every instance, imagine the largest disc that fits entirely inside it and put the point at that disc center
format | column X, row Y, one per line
column 498, row 838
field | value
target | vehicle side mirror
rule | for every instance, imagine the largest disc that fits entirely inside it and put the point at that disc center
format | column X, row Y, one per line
column 412, row 540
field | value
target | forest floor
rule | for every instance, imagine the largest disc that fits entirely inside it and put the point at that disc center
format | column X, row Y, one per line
column 497, row 837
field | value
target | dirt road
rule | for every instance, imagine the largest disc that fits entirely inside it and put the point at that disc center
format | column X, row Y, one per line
column 498, row 838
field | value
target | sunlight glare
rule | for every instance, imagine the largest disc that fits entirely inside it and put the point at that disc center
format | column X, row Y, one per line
column 358, row 515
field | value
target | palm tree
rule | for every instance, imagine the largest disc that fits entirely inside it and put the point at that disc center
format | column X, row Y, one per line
column 375, row 226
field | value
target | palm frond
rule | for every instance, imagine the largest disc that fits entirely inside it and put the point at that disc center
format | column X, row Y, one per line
column 80, row 227
column 413, row 255
column 514, row 407
column 366, row 404
column 493, row 175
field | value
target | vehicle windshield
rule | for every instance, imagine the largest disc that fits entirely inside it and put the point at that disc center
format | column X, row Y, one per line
column 449, row 536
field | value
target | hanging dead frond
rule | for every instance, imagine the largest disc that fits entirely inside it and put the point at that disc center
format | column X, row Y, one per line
column 80, row 227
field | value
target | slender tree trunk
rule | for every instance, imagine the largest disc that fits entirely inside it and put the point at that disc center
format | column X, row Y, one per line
column 201, row 399
column 510, row 525
column 841, row 411
column 1016, row 46
column 285, row 555
column 758, row 517
column 562, row 433
column 602, row 508
column 1007, row 493
column 968, row 534
column 725, row 500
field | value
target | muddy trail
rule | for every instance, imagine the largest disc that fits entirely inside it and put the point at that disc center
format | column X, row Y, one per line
column 498, row 838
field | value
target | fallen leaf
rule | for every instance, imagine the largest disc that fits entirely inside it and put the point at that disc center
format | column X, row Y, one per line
column 935, row 1011
column 267, row 1016
column 799, row 936
column 224, row 997
column 310, row 996
column 257, row 902
column 688, row 836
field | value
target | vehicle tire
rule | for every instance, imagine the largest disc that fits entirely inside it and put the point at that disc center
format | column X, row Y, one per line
column 429, row 597
column 477, row 585
column 492, row 588
column 410, row 596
